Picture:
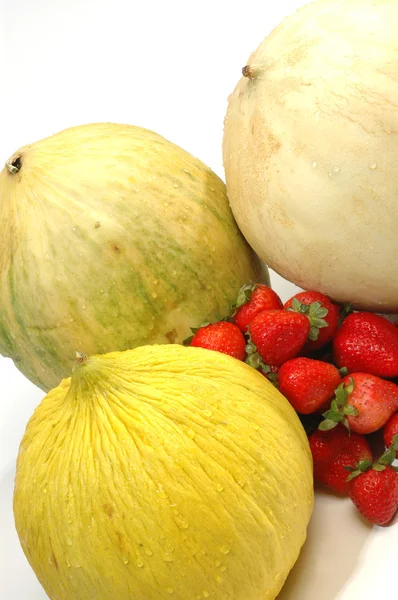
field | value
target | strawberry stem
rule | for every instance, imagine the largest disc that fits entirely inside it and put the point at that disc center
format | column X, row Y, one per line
column 360, row 467
column 345, row 310
column 384, row 461
column 389, row 455
column 244, row 295
column 339, row 409
column 253, row 359
column 315, row 313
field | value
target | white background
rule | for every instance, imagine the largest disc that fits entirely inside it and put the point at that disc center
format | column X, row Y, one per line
column 169, row 66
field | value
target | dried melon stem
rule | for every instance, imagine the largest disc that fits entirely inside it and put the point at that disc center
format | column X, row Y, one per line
column 86, row 373
column 81, row 358
column 14, row 164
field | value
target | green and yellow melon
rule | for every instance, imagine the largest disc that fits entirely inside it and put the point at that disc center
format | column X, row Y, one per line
column 111, row 238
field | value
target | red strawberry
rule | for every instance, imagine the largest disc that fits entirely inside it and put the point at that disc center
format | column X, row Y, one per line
column 223, row 337
column 374, row 488
column 369, row 343
column 252, row 299
column 390, row 429
column 334, row 450
column 363, row 402
column 322, row 313
column 276, row 336
column 308, row 384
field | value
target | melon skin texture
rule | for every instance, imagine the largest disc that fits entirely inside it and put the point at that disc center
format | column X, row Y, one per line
column 111, row 238
column 310, row 150
column 161, row 472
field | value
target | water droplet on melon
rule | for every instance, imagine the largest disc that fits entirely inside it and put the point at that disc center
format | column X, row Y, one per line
column 205, row 594
column 373, row 166
column 225, row 549
column 219, row 487
column 148, row 551
column 139, row 563
column 314, row 163
column 170, row 590
column 167, row 557
column 161, row 492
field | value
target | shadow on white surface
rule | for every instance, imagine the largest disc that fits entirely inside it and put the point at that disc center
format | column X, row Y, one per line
column 17, row 580
column 331, row 556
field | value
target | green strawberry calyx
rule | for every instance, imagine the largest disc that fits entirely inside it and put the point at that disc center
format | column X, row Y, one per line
column 253, row 359
column 345, row 310
column 384, row 461
column 244, row 295
column 194, row 330
column 339, row 409
column 315, row 313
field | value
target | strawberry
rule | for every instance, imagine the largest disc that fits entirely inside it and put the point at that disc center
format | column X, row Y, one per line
column 369, row 343
column 390, row 429
column 252, row 299
column 275, row 337
column 363, row 402
column 374, row 487
column 221, row 336
column 334, row 450
column 308, row 384
column 322, row 313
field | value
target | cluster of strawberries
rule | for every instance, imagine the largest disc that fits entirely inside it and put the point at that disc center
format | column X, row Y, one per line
column 337, row 369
